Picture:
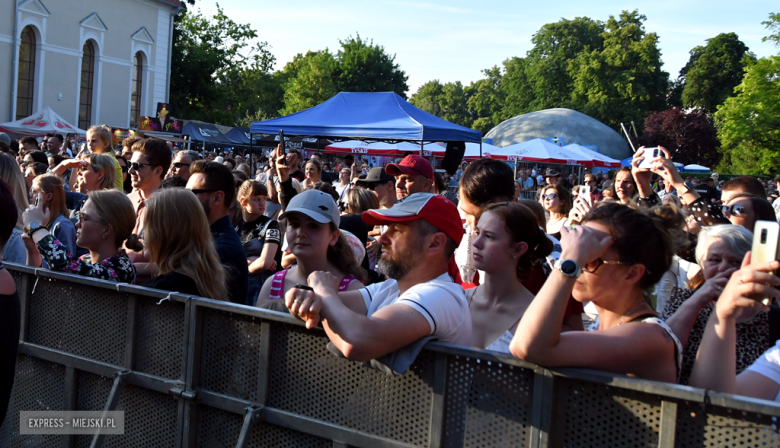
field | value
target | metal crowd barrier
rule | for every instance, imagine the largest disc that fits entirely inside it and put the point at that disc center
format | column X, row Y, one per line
column 191, row 372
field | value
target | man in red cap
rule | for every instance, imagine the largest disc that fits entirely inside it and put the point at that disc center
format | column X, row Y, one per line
column 413, row 175
column 419, row 300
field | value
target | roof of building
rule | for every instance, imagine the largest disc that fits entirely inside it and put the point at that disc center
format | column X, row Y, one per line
column 570, row 125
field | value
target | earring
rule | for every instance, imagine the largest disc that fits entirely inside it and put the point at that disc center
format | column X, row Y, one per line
column 514, row 256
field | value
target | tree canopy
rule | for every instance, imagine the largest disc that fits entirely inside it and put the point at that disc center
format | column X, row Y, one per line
column 689, row 136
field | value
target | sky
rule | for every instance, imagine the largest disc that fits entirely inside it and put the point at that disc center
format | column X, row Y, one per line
column 455, row 40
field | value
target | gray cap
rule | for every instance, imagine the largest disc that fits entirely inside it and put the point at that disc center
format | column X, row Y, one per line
column 315, row 204
column 5, row 138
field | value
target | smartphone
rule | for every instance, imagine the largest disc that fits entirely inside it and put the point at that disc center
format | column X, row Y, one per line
column 584, row 193
column 282, row 142
column 649, row 154
column 765, row 245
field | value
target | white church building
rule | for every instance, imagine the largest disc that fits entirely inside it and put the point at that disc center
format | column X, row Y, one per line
column 91, row 61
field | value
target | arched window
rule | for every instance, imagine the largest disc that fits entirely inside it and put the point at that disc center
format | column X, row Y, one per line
column 24, row 90
column 135, row 98
column 87, row 84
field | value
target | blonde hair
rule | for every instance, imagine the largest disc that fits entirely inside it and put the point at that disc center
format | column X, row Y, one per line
column 103, row 132
column 12, row 175
column 107, row 164
column 178, row 237
column 115, row 209
column 52, row 183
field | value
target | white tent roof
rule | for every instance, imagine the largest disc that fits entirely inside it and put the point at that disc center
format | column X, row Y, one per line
column 538, row 150
column 598, row 158
column 43, row 122
column 696, row 167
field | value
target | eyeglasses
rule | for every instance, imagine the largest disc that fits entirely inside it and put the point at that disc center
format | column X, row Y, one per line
column 135, row 166
column 735, row 210
column 82, row 218
column 198, row 191
column 178, row 165
column 549, row 197
column 593, row 266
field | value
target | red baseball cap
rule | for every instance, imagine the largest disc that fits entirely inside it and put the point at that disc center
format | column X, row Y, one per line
column 411, row 164
column 437, row 210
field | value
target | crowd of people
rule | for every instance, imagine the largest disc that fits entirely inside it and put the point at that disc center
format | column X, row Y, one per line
column 640, row 272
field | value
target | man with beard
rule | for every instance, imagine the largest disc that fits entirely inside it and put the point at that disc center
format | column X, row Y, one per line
column 215, row 188
column 418, row 301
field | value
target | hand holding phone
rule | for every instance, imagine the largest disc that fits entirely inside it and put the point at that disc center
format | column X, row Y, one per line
column 282, row 142
column 585, row 194
column 766, row 239
column 648, row 155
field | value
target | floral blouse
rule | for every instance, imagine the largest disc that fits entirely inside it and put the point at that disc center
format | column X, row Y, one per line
column 118, row 268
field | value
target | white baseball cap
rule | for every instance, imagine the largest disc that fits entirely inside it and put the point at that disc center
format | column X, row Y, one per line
column 315, row 204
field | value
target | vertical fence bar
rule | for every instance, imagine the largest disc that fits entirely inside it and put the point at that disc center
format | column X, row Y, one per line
column 541, row 408
column 25, row 296
column 131, row 331
column 113, row 399
column 437, row 403
column 194, row 335
column 71, row 398
column 264, row 353
column 668, row 424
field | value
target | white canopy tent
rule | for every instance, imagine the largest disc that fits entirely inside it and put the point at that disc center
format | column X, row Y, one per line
column 696, row 169
column 43, row 122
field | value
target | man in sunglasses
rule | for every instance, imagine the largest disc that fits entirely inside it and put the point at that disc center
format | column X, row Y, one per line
column 382, row 184
column 181, row 164
column 146, row 168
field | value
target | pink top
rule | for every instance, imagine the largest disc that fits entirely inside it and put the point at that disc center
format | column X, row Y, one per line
column 277, row 284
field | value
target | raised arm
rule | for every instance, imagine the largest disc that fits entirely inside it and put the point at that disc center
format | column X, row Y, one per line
column 716, row 361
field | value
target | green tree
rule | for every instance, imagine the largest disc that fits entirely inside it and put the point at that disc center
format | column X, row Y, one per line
column 549, row 64
column 519, row 97
column 365, row 67
column 448, row 101
column 622, row 81
column 749, row 123
column 215, row 69
column 773, row 24
column 429, row 98
column 486, row 100
column 714, row 70
column 312, row 84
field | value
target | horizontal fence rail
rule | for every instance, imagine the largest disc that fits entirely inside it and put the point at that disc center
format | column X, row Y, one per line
column 194, row 372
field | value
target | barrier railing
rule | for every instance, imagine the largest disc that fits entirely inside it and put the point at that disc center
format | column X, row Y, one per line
column 190, row 371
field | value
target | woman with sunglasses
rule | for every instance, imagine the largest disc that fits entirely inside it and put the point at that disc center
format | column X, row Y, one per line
column 745, row 209
column 610, row 260
column 556, row 200
column 719, row 253
column 106, row 221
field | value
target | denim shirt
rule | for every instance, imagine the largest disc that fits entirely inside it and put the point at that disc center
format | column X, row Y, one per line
column 14, row 250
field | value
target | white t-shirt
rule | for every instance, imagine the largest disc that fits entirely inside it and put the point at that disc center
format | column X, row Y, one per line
column 440, row 301
column 769, row 365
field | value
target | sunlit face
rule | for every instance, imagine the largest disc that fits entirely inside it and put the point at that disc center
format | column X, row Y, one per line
column 747, row 218
column 90, row 177
column 307, row 237
column 551, row 200
column 624, row 186
column 494, row 247
column 344, row 176
column 311, row 172
column 401, row 245
column 717, row 258
column 144, row 176
column 90, row 227
column 406, row 184
column 35, row 190
column 254, row 204
column 471, row 211
column 94, row 143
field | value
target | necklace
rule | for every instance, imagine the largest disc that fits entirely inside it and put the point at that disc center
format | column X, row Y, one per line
column 632, row 310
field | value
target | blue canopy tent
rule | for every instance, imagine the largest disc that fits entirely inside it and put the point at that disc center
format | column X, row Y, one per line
column 368, row 116
column 239, row 136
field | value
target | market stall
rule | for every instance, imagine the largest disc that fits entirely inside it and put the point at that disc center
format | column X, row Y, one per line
column 43, row 122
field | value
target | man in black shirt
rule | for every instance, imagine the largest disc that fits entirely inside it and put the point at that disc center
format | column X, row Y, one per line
column 214, row 186
column 707, row 190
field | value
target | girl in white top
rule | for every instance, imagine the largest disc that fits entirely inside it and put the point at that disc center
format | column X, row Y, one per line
column 508, row 242
column 715, row 366
column 556, row 200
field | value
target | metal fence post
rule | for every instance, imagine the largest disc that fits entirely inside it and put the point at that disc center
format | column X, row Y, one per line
column 194, row 337
column 668, row 427
column 542, row 408
column 252, row 413
column 436, row 431
column 113, row 399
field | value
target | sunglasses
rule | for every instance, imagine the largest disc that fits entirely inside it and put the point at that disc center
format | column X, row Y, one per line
column 549, row 197
column 135, row 166
column 124, row 168
column 178, row 165
column 735, row 210
column 593, row 266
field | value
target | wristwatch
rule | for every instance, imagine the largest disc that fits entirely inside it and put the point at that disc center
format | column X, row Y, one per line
column 35, row 225
column 568, row 267
column 684, row 189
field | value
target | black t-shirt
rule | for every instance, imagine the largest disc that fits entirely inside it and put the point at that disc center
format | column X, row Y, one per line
column 707, row 192
column 232, row 256
column 175, row 282
column 255, row 234
column 10, row 318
